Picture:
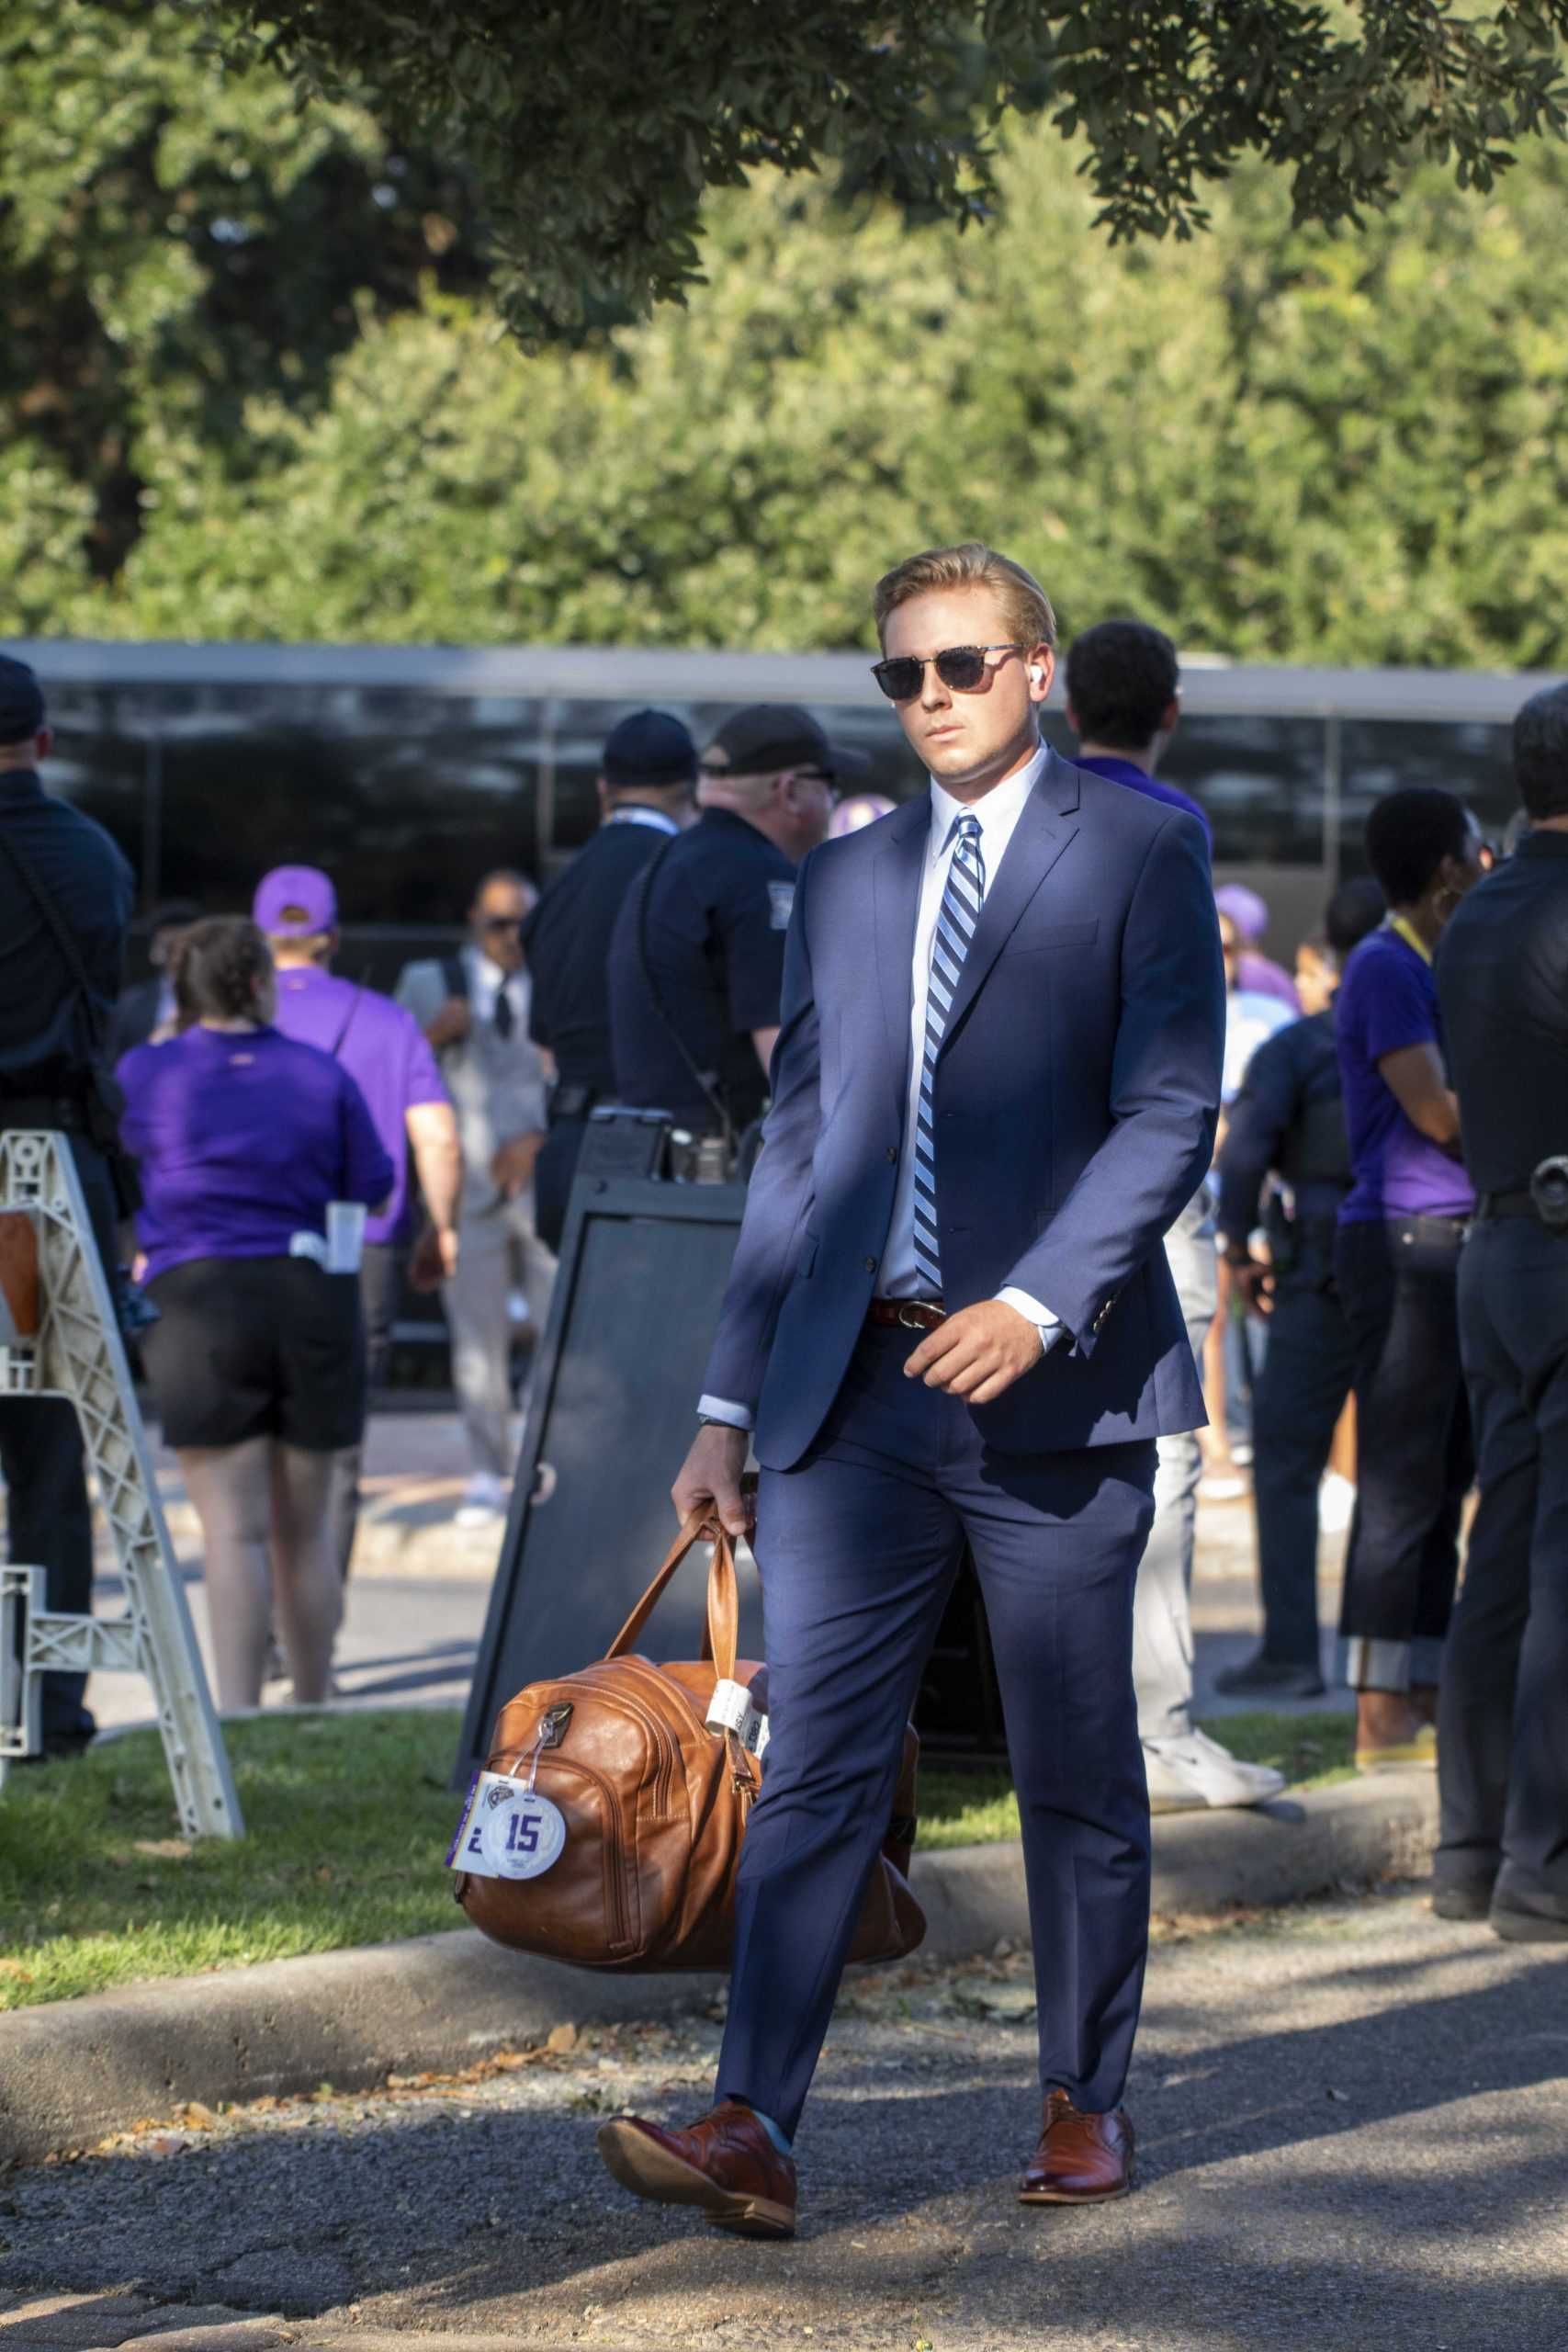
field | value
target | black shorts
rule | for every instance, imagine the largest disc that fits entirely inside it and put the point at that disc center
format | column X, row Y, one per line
column 257, row 1346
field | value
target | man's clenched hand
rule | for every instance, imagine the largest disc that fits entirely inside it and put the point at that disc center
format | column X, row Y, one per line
column 710, row 1477
column 978, row 1352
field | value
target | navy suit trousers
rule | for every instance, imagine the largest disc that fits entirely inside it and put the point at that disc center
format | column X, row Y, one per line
column 858, row 1547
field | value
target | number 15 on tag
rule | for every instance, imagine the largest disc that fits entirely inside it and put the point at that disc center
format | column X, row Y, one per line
column 506, row 1830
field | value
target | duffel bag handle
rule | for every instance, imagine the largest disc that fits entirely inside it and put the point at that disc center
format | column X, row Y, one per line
column 724, row 1597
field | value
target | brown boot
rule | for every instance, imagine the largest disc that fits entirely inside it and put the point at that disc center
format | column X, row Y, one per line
column 725, row 2164
column 1081, row 2159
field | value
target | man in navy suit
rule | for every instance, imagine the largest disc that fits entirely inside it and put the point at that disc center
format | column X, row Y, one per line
column 950, row 1321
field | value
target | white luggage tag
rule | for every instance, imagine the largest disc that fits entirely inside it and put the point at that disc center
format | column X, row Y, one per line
column 730, row 1708
column 507, row 1829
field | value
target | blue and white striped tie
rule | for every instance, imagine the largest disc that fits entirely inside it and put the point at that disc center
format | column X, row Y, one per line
column 959, row 912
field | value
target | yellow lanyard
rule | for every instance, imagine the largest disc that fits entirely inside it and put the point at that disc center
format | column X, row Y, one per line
column 1411, row 936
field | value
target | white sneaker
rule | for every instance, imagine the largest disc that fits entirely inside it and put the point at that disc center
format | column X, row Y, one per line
column 1195, row 1770
column 1336, row 1504
column 484, row 1499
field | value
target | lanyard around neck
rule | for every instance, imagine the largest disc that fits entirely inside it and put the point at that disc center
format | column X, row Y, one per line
column 1411, row 936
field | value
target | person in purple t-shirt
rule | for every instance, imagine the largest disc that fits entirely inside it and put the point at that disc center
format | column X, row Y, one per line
column 243, row 1138
column 1396, row 1266
column 384, row 1050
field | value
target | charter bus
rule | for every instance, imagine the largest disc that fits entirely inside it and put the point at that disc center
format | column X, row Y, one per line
column 408, row 771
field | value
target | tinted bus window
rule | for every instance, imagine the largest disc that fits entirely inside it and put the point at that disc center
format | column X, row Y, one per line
column 1262, row 784
column 405, row 799
column 1470, row 757
column 99, row 764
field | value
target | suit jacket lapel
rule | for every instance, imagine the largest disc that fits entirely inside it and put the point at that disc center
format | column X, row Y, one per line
column 896, row 900
column 1043, row 830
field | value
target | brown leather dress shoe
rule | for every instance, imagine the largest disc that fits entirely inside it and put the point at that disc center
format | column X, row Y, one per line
column 725, row 2164
column 1081, row 2159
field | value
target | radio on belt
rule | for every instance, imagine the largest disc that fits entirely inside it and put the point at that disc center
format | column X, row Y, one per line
column 730, row 1708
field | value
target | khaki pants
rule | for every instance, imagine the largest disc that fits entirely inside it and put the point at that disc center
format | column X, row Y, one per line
column 498, row 1252
column 1162, row 1610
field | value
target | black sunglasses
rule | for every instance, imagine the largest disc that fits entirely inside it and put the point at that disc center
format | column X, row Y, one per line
column 501, row 922
column 962, row 667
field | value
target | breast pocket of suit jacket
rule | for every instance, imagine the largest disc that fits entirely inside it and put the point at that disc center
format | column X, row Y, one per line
column 1038, row 939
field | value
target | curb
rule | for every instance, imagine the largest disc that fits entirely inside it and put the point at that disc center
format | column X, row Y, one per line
column 72, row 2072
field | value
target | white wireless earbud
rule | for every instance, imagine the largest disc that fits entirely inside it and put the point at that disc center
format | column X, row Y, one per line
column 1035, row 674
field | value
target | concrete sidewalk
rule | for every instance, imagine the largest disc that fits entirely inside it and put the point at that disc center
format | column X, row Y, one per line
column 73, row 2071
column 420, row 1586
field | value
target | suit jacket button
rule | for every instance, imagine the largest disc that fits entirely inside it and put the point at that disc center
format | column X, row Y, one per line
column 870, row 1265
column 893, row 1151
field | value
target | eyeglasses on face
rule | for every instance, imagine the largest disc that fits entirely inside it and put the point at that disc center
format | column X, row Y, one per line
column 501, row 922
column 960, row 667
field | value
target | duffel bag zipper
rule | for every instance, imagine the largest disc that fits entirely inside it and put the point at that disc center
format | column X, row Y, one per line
column 554, row 1722
column 662, row 1743
column 669, row 1689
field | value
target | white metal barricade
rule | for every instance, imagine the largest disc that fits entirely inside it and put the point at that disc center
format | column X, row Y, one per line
column 76, row 1352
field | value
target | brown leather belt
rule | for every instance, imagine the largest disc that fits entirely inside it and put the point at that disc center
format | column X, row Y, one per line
column 905, row 1314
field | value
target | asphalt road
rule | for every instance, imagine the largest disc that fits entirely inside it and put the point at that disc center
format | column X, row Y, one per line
column 1353, row 2132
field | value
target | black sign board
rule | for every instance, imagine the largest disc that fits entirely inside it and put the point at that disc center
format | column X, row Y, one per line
column 610, row 1413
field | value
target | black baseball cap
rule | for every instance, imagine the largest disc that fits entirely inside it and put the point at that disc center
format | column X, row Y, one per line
column 768, row 737
column 652, row 748
column 21, row 702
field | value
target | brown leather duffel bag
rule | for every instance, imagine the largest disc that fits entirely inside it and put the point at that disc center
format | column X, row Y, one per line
column 654, row 1805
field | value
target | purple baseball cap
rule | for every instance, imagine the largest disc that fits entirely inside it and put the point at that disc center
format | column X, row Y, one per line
column 1245, row 908
column 294, row 902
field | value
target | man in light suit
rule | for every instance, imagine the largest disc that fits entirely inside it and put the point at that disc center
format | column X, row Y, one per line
column 950, row 1319
column 474, row 1009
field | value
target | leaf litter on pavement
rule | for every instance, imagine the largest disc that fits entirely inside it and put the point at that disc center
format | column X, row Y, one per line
column 597, row 2069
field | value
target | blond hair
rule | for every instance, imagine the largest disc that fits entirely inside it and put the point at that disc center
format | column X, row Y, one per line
column 973, row 565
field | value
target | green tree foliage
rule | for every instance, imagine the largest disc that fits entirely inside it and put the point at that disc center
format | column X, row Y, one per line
column 598, row 128
column 175, row 238
column 1281, row 445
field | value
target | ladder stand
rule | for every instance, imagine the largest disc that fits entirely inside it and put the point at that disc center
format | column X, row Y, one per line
column 59, row 1337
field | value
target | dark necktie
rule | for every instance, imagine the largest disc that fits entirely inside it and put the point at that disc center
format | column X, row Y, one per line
column 505, row 1019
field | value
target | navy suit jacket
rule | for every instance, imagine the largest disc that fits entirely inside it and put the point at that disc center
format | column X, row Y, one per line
column 1076, row 1100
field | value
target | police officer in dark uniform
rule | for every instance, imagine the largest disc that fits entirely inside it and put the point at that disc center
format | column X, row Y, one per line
column 51, row 1031
column 696, row 962
column 1502, row 978
column 1288, row 1120
column 647, row 785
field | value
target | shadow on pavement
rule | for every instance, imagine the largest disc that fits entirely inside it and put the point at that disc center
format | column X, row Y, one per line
column 1395, row 2177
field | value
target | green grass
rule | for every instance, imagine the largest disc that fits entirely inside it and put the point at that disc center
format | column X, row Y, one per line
column 976, row 1808
column 349, row 1818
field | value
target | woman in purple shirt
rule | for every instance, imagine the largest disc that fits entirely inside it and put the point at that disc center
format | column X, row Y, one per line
column 243, row 1138
column 1396, row 1267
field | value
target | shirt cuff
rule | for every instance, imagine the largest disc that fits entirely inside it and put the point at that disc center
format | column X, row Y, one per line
column 722, row 1408
column 1049, row 1325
